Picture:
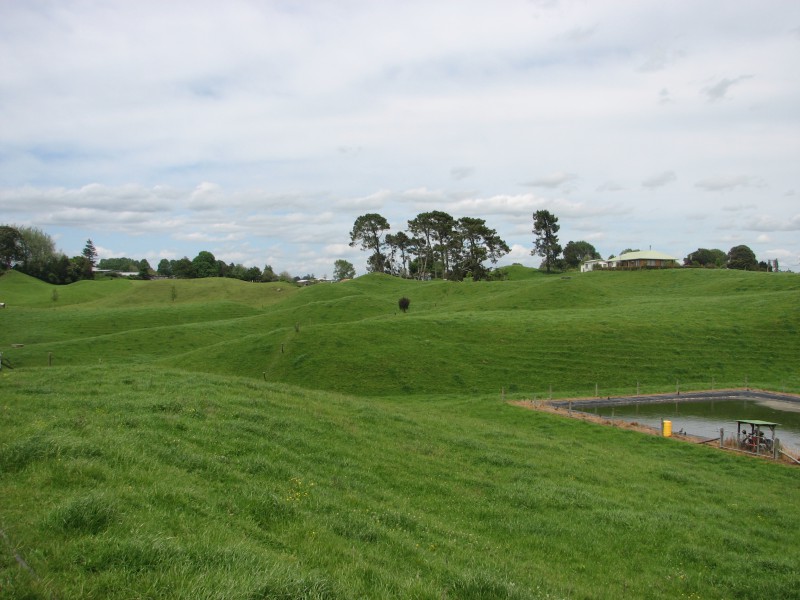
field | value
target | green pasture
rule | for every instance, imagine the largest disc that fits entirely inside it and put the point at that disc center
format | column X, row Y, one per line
column 220, row 439
column 530, row 336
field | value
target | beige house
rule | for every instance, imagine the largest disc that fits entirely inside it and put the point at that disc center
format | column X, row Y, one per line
column 643, row 259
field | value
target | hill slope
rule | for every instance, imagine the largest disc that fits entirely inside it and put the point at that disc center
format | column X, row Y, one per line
column 166, row 484
column 153, row 460
column 568, row 335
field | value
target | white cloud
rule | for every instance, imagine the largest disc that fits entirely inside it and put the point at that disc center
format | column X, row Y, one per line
column 459, row 173
column 659, row 180
column 553, row 180
column 770, row 223
column 610, row 186
column 730, row 182
column 719, row 90
column 660, row 58
column 264, row 129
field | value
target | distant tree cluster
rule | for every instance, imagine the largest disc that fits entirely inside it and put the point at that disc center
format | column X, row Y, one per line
column 435, row 245
column 739, row 257
column 205, row 265
column 33, row 252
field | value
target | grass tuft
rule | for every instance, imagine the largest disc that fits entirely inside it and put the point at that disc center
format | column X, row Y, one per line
column 89, row 515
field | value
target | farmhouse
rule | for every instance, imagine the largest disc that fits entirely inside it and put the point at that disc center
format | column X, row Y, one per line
column 644, row 259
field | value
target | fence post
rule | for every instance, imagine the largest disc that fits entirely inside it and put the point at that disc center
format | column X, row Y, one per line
column 721, row 436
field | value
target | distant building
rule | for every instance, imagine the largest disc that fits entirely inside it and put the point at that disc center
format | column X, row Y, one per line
column 594, row 264
column 643, row 259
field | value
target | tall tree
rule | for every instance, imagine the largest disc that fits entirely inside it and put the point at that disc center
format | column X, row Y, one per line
column 252, row 274
column 422, row 228
column 12, row 246
column 81, row 268
column 205, row 264
column 268, row 274
column 703, row 257
column 743, row 258
column 545, row 227
column 444, row 234
column 343, row 269
column 401, row 244
column 40, row 250
column 145, row 272
column 183, row 268
column 368, row 231
column 164, row 268
column 90, row 252
column 478, row 243
column 437, row 230
column 577, row 252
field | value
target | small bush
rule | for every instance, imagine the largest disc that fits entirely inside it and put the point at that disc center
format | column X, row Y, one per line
column 404, row 303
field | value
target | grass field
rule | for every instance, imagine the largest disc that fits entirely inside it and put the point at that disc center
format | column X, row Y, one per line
column 264, row 441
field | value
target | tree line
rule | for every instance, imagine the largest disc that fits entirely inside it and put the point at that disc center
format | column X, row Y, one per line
column 33, row 252
column 435, row 245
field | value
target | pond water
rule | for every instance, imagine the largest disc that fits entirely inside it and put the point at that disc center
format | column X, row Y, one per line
column 705, row 417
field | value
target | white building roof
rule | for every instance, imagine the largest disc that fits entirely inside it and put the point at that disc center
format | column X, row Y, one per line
column 642, row 255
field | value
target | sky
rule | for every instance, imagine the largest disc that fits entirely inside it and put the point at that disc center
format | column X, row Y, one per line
column 259, row 130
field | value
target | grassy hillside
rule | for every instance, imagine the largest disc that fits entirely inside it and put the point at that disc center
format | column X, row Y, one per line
column 164, row 484
column 527, row 336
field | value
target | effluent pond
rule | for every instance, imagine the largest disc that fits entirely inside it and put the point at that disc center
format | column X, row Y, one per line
column 705, row 416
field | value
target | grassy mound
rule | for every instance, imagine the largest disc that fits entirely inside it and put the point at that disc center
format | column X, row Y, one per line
column 165, row 483
column 612, row 332
column 219, row 439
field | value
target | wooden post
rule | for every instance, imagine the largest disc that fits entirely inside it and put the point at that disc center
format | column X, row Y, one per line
column 637, row 387
column 596, row 390
column 570, row 407
column 721, row 436
column 49, row 359
column 281, row 348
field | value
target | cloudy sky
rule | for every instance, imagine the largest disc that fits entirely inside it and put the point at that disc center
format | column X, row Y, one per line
column 260, row 129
